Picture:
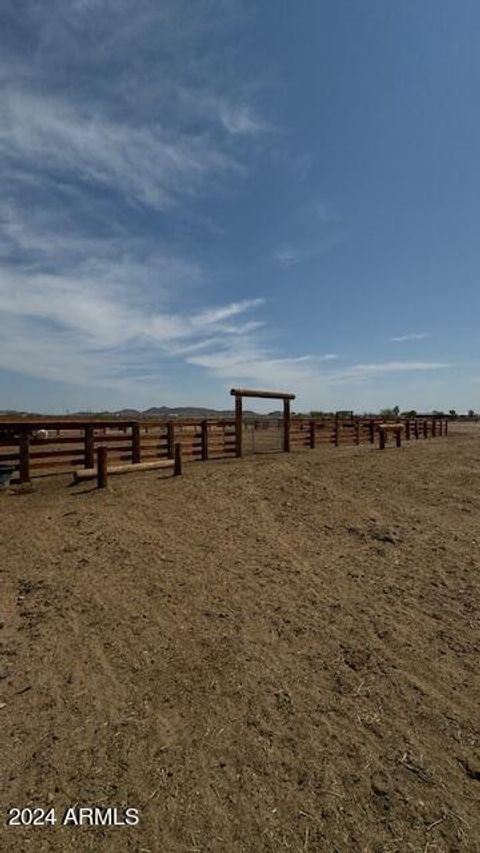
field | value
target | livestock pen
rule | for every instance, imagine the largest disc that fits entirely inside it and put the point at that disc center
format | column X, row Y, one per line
column 68, row 444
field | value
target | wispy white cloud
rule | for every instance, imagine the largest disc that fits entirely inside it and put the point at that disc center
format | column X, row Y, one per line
column 411, row 336
column 217, row 315
column 98, row 285
column 304, row 373
column 292, row 255
column 396, row 366
column 149, row 164
column 109, row 296
column 85, row 315
column 241, row 120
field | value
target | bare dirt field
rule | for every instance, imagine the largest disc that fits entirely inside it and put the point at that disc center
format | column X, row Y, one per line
column 275, row 654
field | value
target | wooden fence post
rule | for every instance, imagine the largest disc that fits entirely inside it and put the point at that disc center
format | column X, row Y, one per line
column 336, row 433
column 170, row 439
column 177, row 468
column 446, row 426
column 425, row 429
column 382, row 438
column 434, row 427
column 440, row 427
column 89, row 446
column 204, row 440
column 372, row 432
column 238, row 426
column 416, row 428
column 312, row 435
column 407, row 429
column 102, row 471
column 357, row 433
column 24, row 448
column 136, row 448
column 286, row 425
column 398, row 437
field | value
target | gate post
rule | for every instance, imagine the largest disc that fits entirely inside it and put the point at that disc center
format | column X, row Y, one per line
column 238, row 425
column 286, row 425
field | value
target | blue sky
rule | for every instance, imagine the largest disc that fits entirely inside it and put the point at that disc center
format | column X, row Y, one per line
column 211, row 193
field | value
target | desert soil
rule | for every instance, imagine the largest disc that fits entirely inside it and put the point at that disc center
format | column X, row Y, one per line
column 274, row 654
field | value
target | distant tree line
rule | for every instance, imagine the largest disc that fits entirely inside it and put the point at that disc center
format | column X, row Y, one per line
column 393, row 412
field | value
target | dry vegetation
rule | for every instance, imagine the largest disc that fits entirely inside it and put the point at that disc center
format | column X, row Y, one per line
column 278, row 654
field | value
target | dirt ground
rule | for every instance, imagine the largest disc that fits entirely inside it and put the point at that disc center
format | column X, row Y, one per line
column 274, row 654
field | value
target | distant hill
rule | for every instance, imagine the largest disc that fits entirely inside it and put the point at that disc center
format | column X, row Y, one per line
column 157, row 412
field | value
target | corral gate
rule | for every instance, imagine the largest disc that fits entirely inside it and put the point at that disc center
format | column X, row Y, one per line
column 248, row 438
column 262, row 435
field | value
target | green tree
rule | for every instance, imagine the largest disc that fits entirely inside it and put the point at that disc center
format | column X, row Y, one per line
column 390, row 413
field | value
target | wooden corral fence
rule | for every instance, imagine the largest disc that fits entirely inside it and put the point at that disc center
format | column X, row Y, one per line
column 49, row 446
column 357, row 430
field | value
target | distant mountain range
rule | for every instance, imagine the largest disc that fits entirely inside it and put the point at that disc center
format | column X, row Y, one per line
column 157, row 412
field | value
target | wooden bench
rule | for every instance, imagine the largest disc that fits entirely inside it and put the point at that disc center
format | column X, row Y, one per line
column 384, row 429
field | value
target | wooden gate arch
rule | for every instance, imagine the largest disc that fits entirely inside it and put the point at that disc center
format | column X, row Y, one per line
column 240, row 393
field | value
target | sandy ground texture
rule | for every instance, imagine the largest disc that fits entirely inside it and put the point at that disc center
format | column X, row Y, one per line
column 275, row 654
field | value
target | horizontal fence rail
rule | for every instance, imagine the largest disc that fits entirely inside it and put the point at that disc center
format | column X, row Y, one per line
column 47, row 446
